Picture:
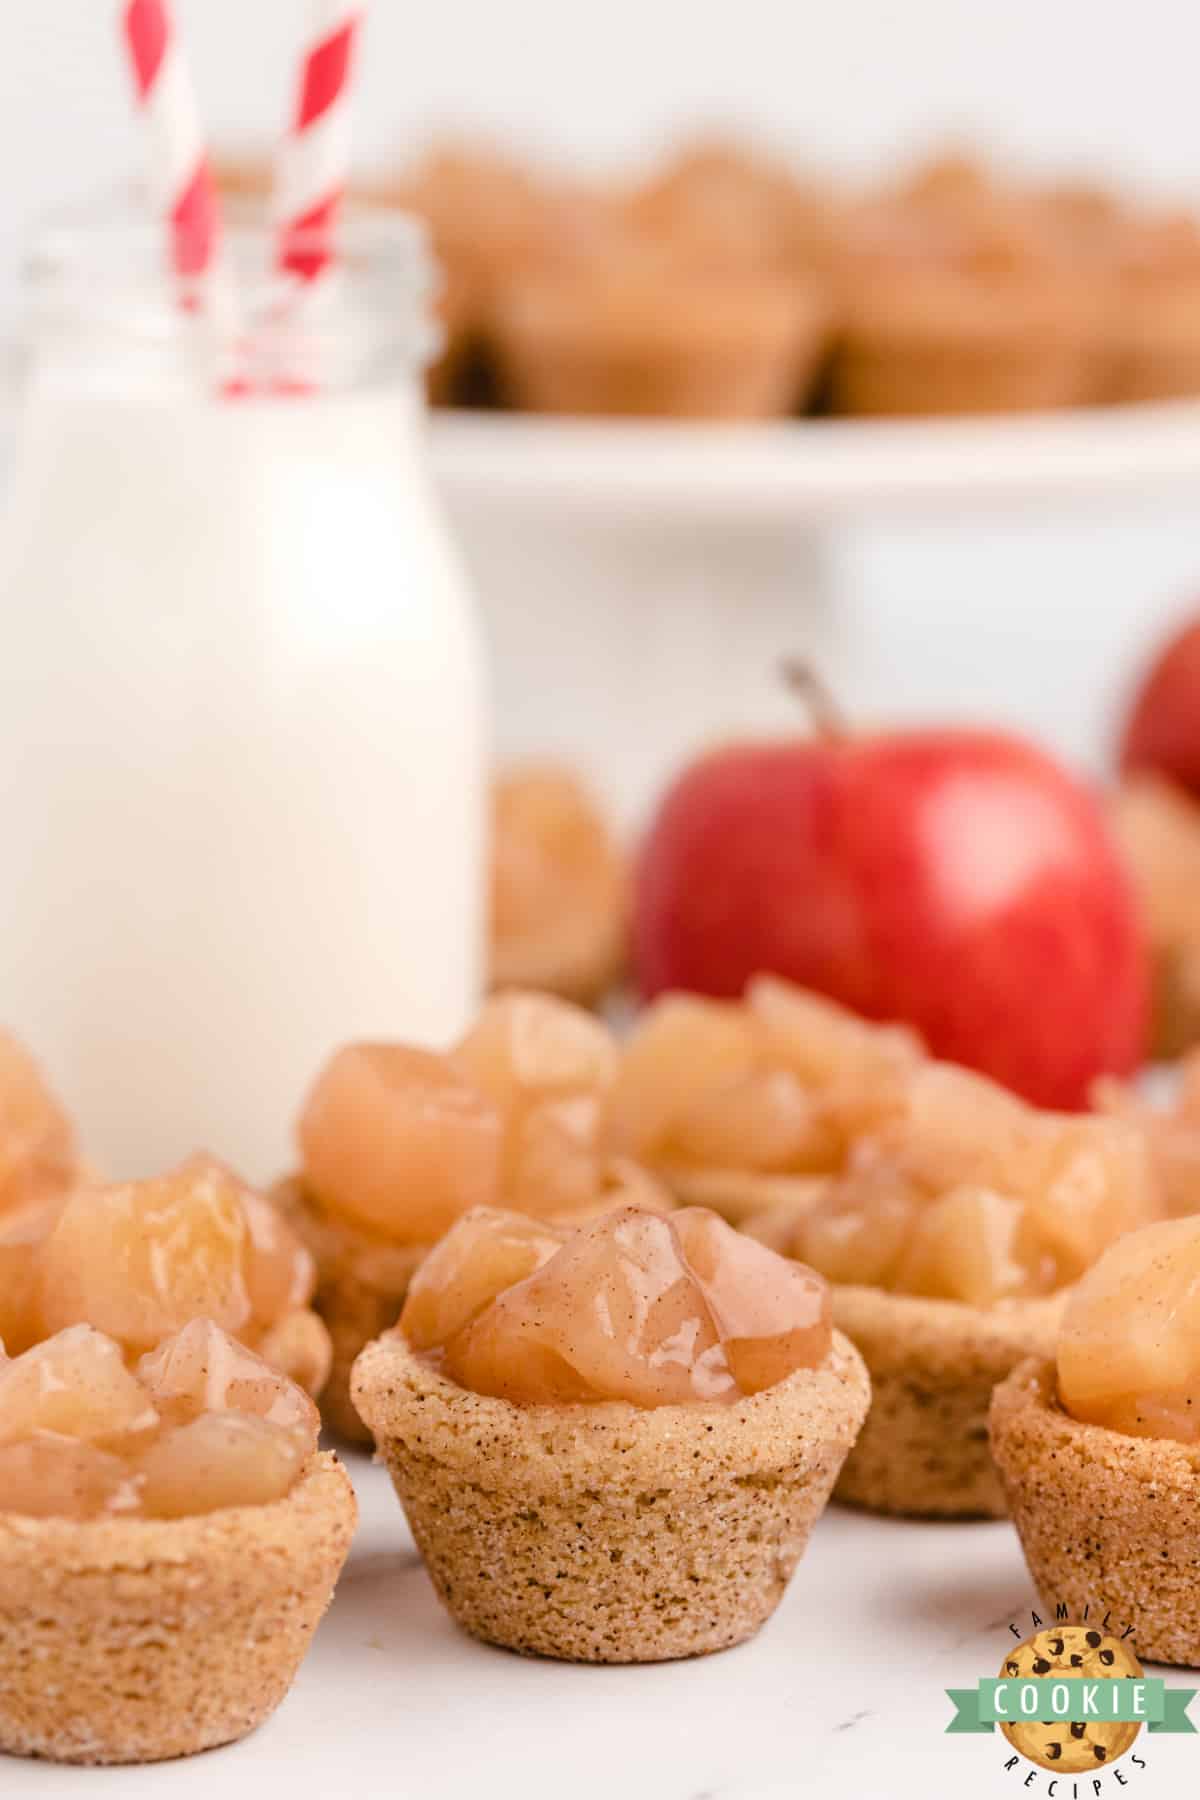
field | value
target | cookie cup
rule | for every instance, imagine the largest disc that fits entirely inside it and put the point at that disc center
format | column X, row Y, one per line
column 610, row 1533
column 927, row 341
column 766, row 1206
column 134, row 1640
column 362, row 1283
column 1157, row 353
column 923, row 1451
column 933, row 1364
column 1106, row 1521
column 694, row 348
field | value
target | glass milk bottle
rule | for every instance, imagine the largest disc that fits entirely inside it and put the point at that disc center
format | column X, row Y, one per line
column 242, row 748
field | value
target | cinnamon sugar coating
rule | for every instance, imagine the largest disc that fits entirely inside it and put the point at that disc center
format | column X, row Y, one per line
column 129, row 1641
column 1106, row 1521
column 610, row 1533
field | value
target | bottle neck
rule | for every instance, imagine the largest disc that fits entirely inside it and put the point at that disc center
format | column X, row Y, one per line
column 104, row 316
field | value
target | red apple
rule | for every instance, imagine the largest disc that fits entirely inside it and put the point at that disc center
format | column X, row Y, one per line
column 959, row 880
column 1163, row 733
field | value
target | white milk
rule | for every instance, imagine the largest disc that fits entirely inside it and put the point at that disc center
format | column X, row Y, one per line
column 242, row 789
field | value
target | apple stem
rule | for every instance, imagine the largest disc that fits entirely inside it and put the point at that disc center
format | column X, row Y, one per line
column 827, row 717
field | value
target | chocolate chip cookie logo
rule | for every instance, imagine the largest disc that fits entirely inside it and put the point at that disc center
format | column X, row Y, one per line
column 1078, row 1654
column 1072, row 1698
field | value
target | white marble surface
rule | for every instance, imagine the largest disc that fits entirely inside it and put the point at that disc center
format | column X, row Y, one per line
column 841, row 1696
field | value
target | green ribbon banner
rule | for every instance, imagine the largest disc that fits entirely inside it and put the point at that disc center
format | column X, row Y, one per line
column 1018, row 1699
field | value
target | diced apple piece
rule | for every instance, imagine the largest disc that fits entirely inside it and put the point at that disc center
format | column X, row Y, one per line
column 633, row 1306
column 1131, row 1334
column 964, row 1246
column 140, row 1260
column 856, row 1230
column 764, row 1121
column 202, row 1369
column 553, row 1163
column 281, row 1276
column 681, row 1050
column 627, row 1183
column 823, row 1043
column 773, row 1315
column 1085, row 1181
column 485, row 1253
column 74, row 1385
column 22, row 1233
column 299, row 1346
column 614, row 1315
column 1171, row 1413
column 526, row 1047
column 217, row 1460
column 1171, row 1134
column 955, row 1128
column 60, row 1477
column 399, row 1140
column 37, row 1145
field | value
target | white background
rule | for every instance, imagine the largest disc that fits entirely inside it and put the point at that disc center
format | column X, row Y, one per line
column 1085, row 83
column 1032, row 619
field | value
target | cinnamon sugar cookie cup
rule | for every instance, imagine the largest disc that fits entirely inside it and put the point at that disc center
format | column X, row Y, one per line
column 361, row 1284
column 609, row 1532
column 1156, row 336
column 933, row 1365
column 680, row 343
column 169, row 1537
column 1099, row 1449
column 134, row 1640
column 937, row 342
column 611, row 1442
column 951, row 1242
column 1106, row 1521
column 923, row 1449
column 962, row 304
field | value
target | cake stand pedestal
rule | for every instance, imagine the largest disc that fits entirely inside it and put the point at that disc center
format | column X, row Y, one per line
column 641, row 581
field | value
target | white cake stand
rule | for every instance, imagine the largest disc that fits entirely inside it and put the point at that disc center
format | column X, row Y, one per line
column 642, row 580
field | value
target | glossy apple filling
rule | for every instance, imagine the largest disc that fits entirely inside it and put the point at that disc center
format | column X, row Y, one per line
column 402, row 1142
column 198, row 1424
column 1172, row 1132
column 966, row 1193
column 558, row 875
column 653, row 1310
column 141, row 1259
column 1129, row 1349
column 917, row 1176
column 37, row 1145
column 783, row 1082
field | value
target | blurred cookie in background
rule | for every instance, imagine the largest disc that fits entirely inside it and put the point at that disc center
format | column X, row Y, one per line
column 1158, row 827
column 560, row 886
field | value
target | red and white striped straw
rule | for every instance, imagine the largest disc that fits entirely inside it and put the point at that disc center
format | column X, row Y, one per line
column 180, row 175
column 315, row 160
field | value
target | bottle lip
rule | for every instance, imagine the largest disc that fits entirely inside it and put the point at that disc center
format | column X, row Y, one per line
column 102, row 275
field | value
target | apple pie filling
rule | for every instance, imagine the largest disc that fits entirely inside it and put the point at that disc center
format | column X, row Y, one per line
column 197, row 1424
column 400, row 1143
column 140, row 1260
column 653, row 1310
column 1129, row 1348
column 967, row 1193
